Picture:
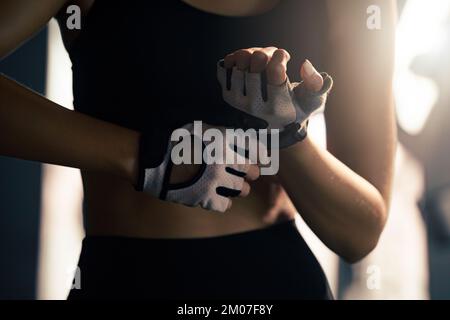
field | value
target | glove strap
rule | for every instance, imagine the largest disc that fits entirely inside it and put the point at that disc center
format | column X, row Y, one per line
column 149, row 165
column 293, row 134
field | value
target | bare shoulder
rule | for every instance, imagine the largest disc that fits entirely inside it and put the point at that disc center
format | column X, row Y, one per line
column 21, row 19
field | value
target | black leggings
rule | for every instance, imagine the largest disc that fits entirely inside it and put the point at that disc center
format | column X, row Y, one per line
column 272, row 263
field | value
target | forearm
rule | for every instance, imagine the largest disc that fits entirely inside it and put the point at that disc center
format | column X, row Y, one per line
column 344, row 210
column 34, row 128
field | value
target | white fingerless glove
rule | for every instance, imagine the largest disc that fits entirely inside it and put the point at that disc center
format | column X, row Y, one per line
column 210, row 189
column 278, row 106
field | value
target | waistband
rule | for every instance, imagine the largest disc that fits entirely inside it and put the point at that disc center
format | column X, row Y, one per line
column 279, row 229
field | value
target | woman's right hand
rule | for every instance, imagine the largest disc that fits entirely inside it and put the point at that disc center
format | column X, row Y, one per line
column 184, row 173
column 211, row 185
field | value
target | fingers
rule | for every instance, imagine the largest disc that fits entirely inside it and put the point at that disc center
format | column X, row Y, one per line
column 252, row 173
column 260, row 59
column 312, row 79
column 245, row 191
column 256, row 60
column 274, row 62
column 230, row 204
column 277, row 67
column 240, row 59
column 252, row 59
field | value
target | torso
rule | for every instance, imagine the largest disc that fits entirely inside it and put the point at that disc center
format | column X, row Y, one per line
column 109, row 89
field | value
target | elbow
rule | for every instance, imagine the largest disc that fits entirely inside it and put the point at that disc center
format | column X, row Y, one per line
column 359, row 252
column 367, row 238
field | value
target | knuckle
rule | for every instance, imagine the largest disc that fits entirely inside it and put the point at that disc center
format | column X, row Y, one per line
column 229, row 59
column 283, row 54
column 243, row 59
column 260, row 57
column 243, row 53
column 229, row 56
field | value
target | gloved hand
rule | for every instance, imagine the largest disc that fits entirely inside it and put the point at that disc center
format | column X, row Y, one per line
column 278, row 106
column 213, row 186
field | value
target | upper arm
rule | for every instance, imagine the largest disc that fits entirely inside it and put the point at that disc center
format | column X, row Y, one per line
column 360, row 116
column 20, row 19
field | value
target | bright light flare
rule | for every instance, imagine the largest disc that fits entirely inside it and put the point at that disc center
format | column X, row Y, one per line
column 421, row 30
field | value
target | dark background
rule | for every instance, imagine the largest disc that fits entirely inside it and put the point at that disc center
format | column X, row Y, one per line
column 20, row 186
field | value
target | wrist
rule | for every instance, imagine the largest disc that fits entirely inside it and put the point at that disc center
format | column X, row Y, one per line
column 298, row 152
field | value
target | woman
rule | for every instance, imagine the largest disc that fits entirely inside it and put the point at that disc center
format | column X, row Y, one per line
column 143, row 68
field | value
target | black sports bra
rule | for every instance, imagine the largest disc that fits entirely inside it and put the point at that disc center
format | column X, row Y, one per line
column 151, row 65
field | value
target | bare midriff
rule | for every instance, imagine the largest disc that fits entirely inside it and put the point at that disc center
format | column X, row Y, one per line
column 114, row 208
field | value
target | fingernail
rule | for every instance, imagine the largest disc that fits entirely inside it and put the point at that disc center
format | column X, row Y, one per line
column 310, row 71
column 315, row 81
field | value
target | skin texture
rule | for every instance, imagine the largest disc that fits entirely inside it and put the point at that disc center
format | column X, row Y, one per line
column 342, row 193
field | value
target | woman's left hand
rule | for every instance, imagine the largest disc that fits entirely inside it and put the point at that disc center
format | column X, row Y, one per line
column 255, row 82
column 274, row 62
